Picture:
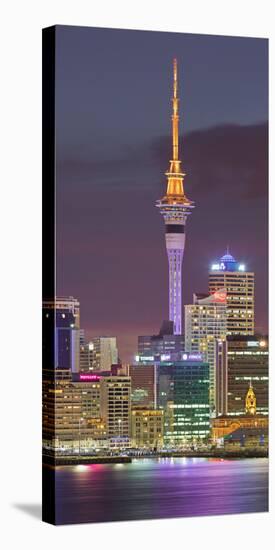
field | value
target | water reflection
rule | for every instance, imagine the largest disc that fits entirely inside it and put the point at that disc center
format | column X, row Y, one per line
column 160, row 488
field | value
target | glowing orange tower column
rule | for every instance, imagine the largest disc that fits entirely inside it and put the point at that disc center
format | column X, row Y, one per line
column 175, row 207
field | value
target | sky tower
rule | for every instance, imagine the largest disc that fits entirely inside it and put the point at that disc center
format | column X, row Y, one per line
column 175, row 207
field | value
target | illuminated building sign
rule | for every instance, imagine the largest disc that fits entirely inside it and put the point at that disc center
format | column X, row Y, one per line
column 220, row 296
column 170, row 357
column 89, row 377
column 192, row 357
column 165, row 357
column 222, row 266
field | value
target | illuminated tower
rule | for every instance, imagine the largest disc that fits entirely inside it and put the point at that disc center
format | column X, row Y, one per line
column 250, row 401
column 175, row 207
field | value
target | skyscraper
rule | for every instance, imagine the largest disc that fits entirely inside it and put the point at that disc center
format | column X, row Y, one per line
column 61, row 333
column 175, row 207
column 227, row 273
column 104, row 352
column 86, row 353
column 247, row 364
column 205, row 324
column 183, row 394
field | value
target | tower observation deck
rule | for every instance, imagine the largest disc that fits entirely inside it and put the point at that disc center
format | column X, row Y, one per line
column 175, row 207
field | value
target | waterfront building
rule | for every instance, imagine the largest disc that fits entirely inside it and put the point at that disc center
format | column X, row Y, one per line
column 175, row 208
column 88, row 386
column 115, row 404
column 247, row 358
column 61, row 321
column 147, row 428
column 104, row 352
column 248, row 429
column 68, row 408
column 205, row 324
column 183, row 395
column 232, row 276
column 252, row 439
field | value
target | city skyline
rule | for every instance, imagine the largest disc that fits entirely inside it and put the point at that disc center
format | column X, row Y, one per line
column 107, row 220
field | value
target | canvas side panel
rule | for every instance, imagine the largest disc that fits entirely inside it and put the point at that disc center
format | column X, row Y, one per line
column 48, row 258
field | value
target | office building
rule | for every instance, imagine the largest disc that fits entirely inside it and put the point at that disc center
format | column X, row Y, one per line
column 88, row 386
column 160, row 345
column 221, row 378
column 183, row 395
column 115, row 402
column 147, row 428
column 205, row 324
column 143, row 384
column 104, row 351
column 86, row 354
column 68, row 410
column 61, row 338
column 175, row 207
column 247, row 362
column 232, row 276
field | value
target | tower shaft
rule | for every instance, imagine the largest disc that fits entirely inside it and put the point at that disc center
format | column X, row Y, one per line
column 175, row 207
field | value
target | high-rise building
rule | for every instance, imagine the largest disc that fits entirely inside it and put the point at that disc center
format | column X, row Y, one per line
column 175, row 207
column 104, row 352
column 86, row 354
column 221, row 378
column 183, row 394
column 115, row 402
column 205, row 324
column 89, row 387
column 147, row 428
column 247, row 363
column 232, row 276
column 159, row 346
column 61, row 340
column 143, row 384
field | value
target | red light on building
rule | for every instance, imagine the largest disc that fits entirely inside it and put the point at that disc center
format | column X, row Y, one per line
column 220, row 296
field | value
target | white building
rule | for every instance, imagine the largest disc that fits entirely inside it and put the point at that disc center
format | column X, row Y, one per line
column 105, row 352
column 239, row 286
column 205, row 324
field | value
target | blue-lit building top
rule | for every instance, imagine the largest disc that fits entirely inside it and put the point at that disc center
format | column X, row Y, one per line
column 227, row 263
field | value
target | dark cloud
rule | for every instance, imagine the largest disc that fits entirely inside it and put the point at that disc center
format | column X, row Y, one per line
column 111, row 252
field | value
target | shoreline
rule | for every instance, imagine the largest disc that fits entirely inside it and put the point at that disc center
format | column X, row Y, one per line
column 49, row 460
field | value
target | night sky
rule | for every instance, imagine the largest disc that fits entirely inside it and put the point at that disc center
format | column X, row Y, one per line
column 113, row 138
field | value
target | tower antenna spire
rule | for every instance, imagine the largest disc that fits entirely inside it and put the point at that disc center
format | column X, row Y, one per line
column 175, row 116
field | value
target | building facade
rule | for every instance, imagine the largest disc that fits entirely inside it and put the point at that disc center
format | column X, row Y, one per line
column 247, row 362
column 69, row 409
column 175, row 208
column 221, row 377
column 61, row 338
column 143, row 384
column 159, row 346
column 205, row 324
column 232, row 276
column 183, row 395
column 248, row 430
column 115, row 402
column 147, row 428
column 104, row 352
column 86, row 356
